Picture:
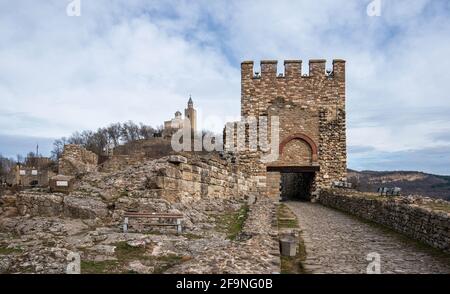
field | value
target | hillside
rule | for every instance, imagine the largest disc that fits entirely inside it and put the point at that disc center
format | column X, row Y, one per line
column 411, row 182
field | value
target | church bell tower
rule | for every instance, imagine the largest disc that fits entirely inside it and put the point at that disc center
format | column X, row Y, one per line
column 191, row 114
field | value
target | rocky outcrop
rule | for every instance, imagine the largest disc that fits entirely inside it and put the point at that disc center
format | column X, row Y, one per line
column 83, row 207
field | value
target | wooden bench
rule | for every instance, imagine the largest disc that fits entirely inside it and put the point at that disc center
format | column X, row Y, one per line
column 158, row 216
column 341, row 184
column 389, row 191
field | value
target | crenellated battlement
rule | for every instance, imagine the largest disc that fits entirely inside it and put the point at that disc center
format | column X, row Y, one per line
column 310, row 111
column 293, row 69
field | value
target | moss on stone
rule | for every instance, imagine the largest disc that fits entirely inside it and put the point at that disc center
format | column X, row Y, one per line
column 99, row 267
column 7, row 251
column 231, row 223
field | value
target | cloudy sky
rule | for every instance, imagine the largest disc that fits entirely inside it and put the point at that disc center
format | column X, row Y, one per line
column 139, row 60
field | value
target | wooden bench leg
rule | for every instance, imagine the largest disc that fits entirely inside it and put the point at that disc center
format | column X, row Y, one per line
column 179, row 229
column 125, row 225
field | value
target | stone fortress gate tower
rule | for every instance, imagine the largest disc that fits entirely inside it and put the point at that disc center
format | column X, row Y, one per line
column 311, row 113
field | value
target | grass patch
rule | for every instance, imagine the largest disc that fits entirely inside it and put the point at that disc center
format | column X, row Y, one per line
column 99, row 267
column 231, row 223
column 438, row 206
column 286, row 218
column 294, row 264
column 166, row 262
column 8, row 251
column 125, row 252
column 291, row 264
column 191, row 236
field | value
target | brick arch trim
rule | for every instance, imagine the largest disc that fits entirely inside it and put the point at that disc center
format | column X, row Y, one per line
column 301, row 136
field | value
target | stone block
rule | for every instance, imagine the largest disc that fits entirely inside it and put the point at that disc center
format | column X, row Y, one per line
column 177, row 159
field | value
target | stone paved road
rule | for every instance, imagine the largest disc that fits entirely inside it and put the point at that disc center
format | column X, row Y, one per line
column 338, row 243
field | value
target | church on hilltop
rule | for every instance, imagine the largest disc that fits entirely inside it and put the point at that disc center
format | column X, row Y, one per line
column 178, row 122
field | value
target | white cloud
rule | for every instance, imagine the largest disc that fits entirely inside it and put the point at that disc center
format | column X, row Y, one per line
column 77, row 78
column 140, row 59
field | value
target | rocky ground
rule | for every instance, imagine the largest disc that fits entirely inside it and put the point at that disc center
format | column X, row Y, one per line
column 338, row 243
column 254, row 251
column 221, row 236
column 43, row 232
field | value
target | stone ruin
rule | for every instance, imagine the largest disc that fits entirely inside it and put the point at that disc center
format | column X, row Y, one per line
column 76, row 160
column 35, row 172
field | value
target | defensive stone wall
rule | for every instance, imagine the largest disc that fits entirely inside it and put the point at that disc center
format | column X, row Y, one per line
column 118, row 162
column 193, row 178
column 310, row 110
column 173, row 179
column 423, row 219
column 76, row 160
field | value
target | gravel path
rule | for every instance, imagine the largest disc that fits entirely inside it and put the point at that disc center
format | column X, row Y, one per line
column 338, row 243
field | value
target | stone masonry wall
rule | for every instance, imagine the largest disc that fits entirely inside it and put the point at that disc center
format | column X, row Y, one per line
column 76, row 160
column 117, row 162
column 418, row 218
column 60, row 205
column 174, row 179
column 194, row 178
column 311, row 111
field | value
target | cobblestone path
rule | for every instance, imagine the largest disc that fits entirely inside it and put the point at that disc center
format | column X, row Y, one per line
column 338, row 243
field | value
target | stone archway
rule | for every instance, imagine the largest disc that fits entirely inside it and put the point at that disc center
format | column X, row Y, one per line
column 293, row 176
column 304, row 138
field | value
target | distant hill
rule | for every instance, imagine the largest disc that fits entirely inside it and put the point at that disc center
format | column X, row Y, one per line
column 411, row 182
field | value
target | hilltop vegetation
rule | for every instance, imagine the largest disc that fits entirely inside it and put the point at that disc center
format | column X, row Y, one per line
column 411, row 182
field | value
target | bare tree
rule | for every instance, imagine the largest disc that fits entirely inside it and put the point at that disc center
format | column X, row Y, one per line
column 146, row 132
column 158, row 131
column 103, row 139
column 76, row 138
column 114, row 133
column 130, row 131
column 58, row 147
column 19, row 158
column 6, row 164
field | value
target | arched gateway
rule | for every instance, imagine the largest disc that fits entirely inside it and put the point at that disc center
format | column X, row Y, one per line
column 311, row 113
column 296, row 168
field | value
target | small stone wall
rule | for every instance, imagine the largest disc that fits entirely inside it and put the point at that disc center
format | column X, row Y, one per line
column 423, row 219
column 76, row 160
column 60, row 205
column 118, row 162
